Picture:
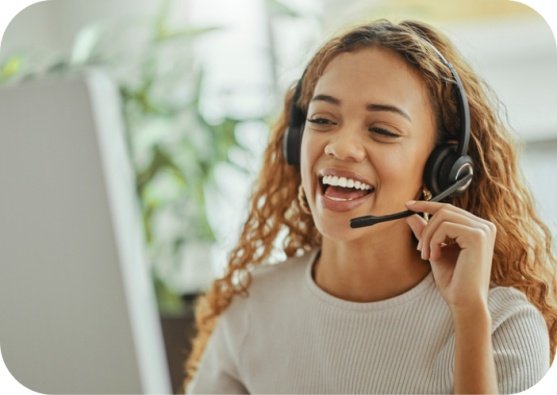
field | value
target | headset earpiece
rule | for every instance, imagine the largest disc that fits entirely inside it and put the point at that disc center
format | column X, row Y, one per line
column 292, row 140
column 444, row 167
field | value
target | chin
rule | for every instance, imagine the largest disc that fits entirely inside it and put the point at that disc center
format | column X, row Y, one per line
column 338, row 228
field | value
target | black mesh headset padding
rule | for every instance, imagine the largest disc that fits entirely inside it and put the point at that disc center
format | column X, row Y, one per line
column 444, row 167
column 293, row 138
column 438, row 167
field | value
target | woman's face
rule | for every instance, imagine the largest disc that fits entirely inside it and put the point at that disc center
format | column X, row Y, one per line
column 369, row 130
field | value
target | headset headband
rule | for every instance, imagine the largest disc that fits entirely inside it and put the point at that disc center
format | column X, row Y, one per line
column 297, row 118
column 461, row 103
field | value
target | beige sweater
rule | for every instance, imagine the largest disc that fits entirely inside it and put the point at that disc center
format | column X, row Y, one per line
column 290, row 337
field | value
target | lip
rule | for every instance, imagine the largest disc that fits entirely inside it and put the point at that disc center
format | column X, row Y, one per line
column 341, row 206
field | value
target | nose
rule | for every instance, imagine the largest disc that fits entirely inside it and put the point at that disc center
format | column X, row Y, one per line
column 345, row 146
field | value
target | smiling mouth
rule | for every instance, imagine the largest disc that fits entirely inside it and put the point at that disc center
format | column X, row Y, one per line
column 342, row 189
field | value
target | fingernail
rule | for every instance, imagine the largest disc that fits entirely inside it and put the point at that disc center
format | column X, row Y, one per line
column 410, row 202
column 419, row 248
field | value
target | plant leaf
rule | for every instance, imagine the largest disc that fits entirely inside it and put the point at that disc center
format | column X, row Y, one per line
column 10, row 67
column 86, row 43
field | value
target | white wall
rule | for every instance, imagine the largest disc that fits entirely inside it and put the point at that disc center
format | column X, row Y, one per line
column 53, row 24
column 517, row 57
column 540, row 167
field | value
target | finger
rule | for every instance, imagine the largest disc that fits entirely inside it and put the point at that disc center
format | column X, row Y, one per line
column 444, row 215
column 433, row 225
column 464, row 236
column 417, row 225
column 425, row 206
column 480, row 225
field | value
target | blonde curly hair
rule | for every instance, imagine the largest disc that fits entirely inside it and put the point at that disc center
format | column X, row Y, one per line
column 523, row 256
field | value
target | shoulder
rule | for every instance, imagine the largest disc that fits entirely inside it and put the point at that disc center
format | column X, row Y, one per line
column 507, row 303
column 520, row 340
column 271, row 284
column 274, row 284
column 271, row 292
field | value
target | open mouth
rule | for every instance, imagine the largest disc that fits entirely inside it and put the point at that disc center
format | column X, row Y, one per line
column 344, row 188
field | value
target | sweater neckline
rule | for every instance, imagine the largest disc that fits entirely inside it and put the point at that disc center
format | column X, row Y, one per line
column 324, row 297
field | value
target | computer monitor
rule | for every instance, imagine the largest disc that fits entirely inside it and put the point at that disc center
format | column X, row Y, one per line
column 77, row 307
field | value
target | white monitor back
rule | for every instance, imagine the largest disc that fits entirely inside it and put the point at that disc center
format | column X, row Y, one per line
column 77, row 307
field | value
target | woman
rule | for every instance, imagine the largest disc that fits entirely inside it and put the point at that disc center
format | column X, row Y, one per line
column 458, row 299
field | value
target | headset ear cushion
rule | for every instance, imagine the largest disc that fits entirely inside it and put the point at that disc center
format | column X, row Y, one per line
column 291, row 145
column 292, row 139
column 438, row 168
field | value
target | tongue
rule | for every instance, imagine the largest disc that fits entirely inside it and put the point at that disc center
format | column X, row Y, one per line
column 344, row 193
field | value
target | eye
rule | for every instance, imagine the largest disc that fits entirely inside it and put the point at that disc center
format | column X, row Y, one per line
column 383, row 132
column 321, row 121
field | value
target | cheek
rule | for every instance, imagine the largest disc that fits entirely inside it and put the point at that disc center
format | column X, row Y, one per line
column 400, row 166
column 310, row 152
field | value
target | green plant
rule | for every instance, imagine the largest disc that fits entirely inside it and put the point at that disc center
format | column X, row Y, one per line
column 174, row 148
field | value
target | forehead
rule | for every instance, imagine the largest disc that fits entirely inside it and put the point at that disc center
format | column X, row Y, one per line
column 373, row 74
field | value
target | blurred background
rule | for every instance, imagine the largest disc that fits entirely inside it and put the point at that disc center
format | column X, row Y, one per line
column 201, row 81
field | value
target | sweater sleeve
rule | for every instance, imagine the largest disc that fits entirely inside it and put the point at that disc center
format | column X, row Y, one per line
column 520, row 342
column 219, row 368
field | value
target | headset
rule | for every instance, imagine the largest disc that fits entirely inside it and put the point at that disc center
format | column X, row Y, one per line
column 448, row 170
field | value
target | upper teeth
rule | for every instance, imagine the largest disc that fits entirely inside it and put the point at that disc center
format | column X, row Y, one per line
column 345, row 183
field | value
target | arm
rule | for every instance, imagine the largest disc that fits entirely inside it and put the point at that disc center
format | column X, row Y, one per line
column 217, row 372
column 219, row 368
column 520, row 341
column 459, row 247
column 474, row 371
column 506, row 350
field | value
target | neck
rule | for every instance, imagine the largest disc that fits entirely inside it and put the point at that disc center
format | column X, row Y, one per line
column 382, row 265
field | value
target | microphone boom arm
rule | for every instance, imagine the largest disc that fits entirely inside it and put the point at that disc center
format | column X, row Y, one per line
column 368, row 220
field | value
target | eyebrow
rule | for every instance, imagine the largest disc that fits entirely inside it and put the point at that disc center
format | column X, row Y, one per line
column 369, row 106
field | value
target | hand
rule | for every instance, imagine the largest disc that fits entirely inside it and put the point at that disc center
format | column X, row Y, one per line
column 459, row 246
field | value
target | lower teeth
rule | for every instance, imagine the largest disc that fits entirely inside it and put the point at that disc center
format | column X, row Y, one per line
column 337, row 199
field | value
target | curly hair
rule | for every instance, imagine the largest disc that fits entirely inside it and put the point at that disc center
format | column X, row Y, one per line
column 523, row 257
